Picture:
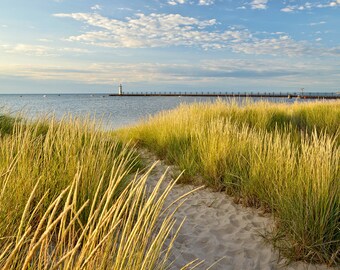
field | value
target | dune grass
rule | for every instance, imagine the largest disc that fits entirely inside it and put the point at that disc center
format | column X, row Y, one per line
column 6, row 124
column 69, row 200
column 284, row 157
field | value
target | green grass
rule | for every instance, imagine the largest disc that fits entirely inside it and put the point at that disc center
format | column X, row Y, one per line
column 6, row 124
column 69, row 200
column 279, row 156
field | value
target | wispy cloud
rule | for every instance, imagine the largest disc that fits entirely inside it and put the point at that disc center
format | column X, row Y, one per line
column 310, row 5
column 259, row 4
column 199, row 2
column 330, row 4
column 154, row 30
column 258, row 71
column 96, row 7
column 176, row 2
column 317, row 23
column 34, row 50
column 288, row 9
column 39, row 50
column 45, row 40
column 273, row 46
column 206, row 2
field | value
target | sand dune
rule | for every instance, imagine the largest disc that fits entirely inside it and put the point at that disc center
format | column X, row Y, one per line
column 222, row 234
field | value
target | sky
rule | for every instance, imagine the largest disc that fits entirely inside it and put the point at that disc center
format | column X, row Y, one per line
column 82, row 46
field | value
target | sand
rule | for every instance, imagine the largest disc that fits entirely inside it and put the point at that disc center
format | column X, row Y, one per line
column 222, row 234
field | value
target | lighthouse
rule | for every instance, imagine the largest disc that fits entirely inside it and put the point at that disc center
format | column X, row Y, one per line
column 120, row 89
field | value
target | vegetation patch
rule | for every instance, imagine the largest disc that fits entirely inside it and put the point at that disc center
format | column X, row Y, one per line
column 69, row 200
column 284, row 157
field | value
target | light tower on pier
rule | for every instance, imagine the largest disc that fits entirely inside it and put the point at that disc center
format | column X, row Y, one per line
column 302, row 89
column 120, row 89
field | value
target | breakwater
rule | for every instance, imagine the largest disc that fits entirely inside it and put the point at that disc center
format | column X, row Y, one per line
column 310, row 95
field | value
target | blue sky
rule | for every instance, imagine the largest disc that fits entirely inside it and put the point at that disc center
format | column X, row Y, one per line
column 68, row 46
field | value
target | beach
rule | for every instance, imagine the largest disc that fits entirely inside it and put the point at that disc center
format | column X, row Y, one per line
column 251, row 186
column 217, row 233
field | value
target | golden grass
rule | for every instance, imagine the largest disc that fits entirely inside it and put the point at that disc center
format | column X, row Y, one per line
column 69, row 199
column 284, row 157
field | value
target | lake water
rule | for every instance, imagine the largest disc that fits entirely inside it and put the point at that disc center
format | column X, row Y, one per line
column 115, row 112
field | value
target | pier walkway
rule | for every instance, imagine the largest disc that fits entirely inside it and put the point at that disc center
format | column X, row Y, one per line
column 310, row 95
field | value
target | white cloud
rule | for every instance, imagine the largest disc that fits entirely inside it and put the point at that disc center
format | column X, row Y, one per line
column 317, row 23
column 293, row 8
column 96, row 7
column 154, row 30
column 206, row 2
column 176, row 2
column 99, row 73
column 274, row 46
column 35, row 50
column 259, row 4
column 165, row 30
column 310, row 5
column 330, row 4
column 125, row 9
column 288, row 9
column 38, row 50
column 334, row 51
column 200, row 2
column 45, row 40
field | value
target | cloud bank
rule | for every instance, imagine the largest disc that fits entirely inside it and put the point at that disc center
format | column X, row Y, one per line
column 166, row 30
column 205, row 72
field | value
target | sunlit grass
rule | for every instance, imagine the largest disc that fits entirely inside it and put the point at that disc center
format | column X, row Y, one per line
column 279, row 156
column 69, row 200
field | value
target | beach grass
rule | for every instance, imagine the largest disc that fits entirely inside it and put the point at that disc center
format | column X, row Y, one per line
column 71, row 197
column 282, row 157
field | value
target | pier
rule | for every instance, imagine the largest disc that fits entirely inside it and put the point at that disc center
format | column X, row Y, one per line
column 304, row 95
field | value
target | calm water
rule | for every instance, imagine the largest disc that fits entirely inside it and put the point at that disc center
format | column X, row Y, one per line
column 114, row 111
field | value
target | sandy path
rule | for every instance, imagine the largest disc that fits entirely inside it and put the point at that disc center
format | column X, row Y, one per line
column 218, row 229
